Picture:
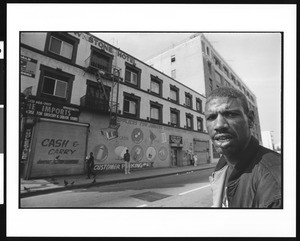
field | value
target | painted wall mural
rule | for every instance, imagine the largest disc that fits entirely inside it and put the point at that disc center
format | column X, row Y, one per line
column 148, row 144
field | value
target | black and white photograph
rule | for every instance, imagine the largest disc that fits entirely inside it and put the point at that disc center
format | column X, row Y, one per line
column 162, row 124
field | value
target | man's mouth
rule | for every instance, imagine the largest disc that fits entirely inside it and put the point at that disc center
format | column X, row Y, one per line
column 223, row 140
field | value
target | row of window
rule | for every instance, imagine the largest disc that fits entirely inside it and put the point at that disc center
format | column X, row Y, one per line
column 131, row 108
column 223, row 68
column 132, row 77
column 56, row 85
column 64, row 46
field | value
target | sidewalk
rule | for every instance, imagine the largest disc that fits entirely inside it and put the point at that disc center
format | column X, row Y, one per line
column 48, row 185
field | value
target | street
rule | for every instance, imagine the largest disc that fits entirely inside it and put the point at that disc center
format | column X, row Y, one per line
column 190, row 189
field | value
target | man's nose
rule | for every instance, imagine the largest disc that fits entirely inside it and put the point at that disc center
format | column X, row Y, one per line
column 220, row 123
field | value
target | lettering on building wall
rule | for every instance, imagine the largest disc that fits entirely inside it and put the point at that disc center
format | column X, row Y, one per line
column 51, row 110
column 59, row 147
column 150, row 125
column 101, row 45
column 26, row 143
column 120, row 166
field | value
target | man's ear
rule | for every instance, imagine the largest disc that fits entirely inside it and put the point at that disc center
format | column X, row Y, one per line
column 251, row 118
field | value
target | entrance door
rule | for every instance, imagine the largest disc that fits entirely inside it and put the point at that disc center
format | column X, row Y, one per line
column 174, row 157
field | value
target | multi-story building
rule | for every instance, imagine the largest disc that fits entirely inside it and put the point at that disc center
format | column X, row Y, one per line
column 197, row 64
column 80, row 94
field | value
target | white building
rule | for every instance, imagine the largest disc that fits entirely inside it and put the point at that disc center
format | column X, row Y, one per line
column 197, row 64
column 267, row 139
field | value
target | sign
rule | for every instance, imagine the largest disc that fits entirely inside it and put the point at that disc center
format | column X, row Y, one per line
column 175, row 139
column 28, row 66
column 26, row 143
column 46, row 109
column 121, row 166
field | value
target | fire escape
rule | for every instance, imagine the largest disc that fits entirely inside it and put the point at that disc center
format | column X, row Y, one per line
column 107, row 75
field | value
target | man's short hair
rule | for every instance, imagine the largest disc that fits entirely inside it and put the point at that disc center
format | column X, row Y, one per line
column 230, row 93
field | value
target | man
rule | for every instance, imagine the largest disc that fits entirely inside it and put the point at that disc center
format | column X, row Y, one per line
column 90, row 166
column 247, row 174
column 127, row 162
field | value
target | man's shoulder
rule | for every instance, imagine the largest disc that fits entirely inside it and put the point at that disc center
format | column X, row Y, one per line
column 269, row 158
column 270, row 164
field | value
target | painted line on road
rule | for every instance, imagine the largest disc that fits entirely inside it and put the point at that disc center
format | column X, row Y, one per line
column 193, row 190
column 143, row 205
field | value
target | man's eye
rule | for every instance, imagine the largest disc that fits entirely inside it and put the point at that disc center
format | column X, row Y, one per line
column 231, row 114
column 209, row 118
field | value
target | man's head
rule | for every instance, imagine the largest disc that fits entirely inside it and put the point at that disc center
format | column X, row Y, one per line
column 228, row 120
column 91, row 154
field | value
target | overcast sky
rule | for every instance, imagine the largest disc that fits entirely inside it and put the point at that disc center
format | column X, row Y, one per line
column 255, row 58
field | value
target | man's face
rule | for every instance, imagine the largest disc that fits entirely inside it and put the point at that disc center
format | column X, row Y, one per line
column 227, row 125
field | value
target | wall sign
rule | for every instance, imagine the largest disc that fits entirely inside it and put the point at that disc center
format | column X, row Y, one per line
column 175, row 139
column 51, row 110
column 28, row 66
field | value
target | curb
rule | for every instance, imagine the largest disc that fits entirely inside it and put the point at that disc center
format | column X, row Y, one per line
column 103, row 183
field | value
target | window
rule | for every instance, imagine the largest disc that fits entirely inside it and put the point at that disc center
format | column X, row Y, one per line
column 101, row 60
column 155, row 112
column 207, row 51
column 218, row 77
column 209, row 67
column 174, row 93
column 199, row 124
column 131, row 105
column 188, row 100
column 61, row 46
column 173, row 59
column 173, row 73
column 226, row 71
column 210, row 84
column 94, row 90
column 54, row 87
column 174, row 117
column 156, row 86
column 233, row 78
column 55, row 84
column 132, row 75
column 198, row 104
column 189, row 121
column 217, row 62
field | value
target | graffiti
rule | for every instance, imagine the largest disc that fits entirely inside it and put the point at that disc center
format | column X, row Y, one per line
column 163, row 153
column 137, row 153
column 120, row 166
column 137, row 135
column 101, row 153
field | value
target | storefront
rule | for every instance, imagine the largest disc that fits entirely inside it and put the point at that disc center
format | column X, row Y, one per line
column 55, row 145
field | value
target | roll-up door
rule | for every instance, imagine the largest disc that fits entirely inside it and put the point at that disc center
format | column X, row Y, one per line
column 201, row 148
column 58, row 148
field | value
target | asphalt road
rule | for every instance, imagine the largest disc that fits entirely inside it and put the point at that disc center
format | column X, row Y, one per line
column 187, row 190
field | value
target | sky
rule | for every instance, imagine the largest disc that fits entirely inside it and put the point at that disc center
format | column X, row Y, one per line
column 255, row 58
